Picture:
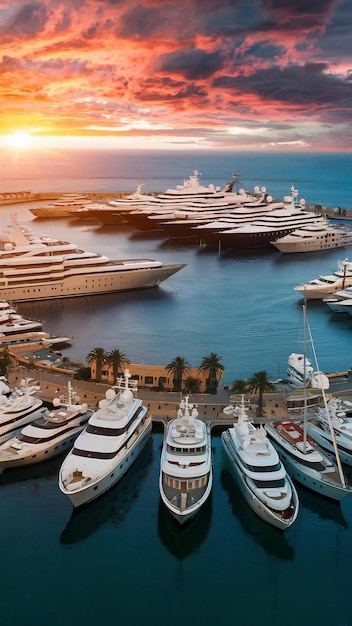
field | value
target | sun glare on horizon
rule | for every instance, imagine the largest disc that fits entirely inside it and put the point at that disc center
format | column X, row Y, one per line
column 19, row 139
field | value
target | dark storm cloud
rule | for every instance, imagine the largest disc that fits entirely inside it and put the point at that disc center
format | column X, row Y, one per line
column 192, row 64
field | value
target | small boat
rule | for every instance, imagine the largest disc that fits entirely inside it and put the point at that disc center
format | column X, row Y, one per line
column 258, row 472
column 314, row 237
column 17, row 408
column 15, row 325
column 186, row 474
column 48, row 435
column 300, row 453
column 114, row 437
column 339, row 412
column 323, row 286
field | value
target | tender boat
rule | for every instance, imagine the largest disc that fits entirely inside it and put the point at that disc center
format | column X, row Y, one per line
column 339, row 412
column 38, row 268
column 258, row 472
column 17, row 408
column 323, row 286
column 115, row 435
column 48, row 435
column 314, row 237
column 186, row 474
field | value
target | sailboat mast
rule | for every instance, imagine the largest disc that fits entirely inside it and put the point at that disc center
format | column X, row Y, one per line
column 305, row 424
column 332, row 432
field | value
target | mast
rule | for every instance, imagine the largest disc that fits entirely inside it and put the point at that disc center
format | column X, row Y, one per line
column 332, row 432
column 305, row 421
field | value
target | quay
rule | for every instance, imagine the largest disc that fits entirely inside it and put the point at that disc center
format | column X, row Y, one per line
column 285, row 404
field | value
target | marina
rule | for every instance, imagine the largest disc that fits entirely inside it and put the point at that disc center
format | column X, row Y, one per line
column 244, row 308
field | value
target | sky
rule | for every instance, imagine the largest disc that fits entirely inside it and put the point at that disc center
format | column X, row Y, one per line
column 269, row 75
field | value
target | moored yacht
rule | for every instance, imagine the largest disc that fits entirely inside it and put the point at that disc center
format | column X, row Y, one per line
column 339, row 413
column 314, row 237
column 17, row 408
column 38, row 268
column 258, row 472
column 341, row 301
column 64, row 206
column 305, row 462
column 50, row 434
column 115, row 435
column 326, row 285
column 186, row 474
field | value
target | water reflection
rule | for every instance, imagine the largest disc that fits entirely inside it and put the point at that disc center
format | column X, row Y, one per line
column 112, row 507
column 43, row 471
column 324, row 508
column 274, row 541
column 186, row 540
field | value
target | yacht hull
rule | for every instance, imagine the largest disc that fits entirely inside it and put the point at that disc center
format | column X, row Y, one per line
column 15, row 422
column 268, row 515
column 323, row 438
column 87, row 284
column 304, row 475
column 113, row 472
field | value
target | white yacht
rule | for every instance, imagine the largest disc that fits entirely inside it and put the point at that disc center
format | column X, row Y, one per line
column 341, row 301
column 323, row 286
column 300, row 372
column 305, row 462
column 115, row 435
column 186, row 474
column 314, row 237
column 258, row 472
column 17, row 408
column 48, row 435
column 16, row 324
column 38, row 268
column 339, row 412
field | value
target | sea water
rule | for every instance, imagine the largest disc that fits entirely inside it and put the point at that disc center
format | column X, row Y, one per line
column 121, row 559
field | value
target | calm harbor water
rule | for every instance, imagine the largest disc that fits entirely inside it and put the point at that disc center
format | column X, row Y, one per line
column 121, row 559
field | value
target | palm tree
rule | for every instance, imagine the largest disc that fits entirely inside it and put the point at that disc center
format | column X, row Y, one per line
column 97, row 356
column 118, row 360
column 259, row 382
column 178, row 367
column 191, row 385
column 212, row 364
column 239, row 387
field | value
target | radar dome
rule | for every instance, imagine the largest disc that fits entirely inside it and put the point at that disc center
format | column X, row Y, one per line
column 256, row 189
column 302, row 201
column 269, row 198
column 263, row 189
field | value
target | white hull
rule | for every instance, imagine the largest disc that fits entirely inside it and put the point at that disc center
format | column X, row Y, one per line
column 89, row 284
column 12, row 423
column 303, row 473
column 113, row 472
column 324, row 439
column 268, row 515
column 41, row 453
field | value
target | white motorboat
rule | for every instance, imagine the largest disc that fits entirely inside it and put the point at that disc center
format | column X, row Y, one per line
column 115, row 435
column 17, row 408
column 300, row 453
column 339, row 413
column 50, row 434
column 186, row 474
column 341, row 301
column 323, row 286
column 17, row 324
column 314, row 237
column 39, row 268
column 258, row 472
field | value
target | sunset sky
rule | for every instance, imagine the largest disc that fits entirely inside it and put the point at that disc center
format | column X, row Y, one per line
column 208, row 74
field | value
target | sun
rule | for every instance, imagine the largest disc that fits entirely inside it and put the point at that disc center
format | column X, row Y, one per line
column 19, row 139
